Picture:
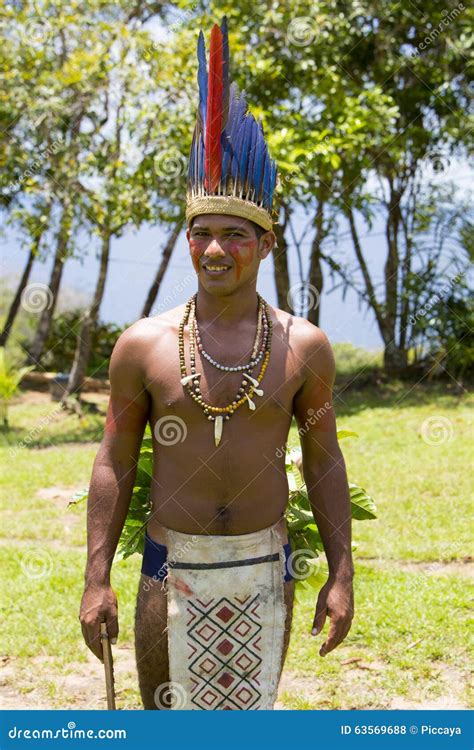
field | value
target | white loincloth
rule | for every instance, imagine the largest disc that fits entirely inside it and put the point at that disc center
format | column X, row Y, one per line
column 226, row 621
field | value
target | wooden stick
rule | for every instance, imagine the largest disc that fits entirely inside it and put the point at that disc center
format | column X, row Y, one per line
column 108, row 666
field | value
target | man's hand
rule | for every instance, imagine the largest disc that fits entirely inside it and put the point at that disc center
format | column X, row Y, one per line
column 335, row 599
column 99, row 604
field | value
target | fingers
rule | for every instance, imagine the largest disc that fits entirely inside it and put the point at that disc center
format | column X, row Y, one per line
column 112, row 626
column 321, row 612
column 91, row 633
column 95, row 610
column 338, row 630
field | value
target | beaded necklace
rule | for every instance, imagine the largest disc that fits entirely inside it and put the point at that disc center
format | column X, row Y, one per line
column 217, row 414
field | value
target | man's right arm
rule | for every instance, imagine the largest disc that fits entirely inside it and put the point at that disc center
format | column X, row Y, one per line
column 112, row 481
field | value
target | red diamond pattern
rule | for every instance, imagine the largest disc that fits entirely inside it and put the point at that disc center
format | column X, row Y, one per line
column 226, row 679
column 225, row 647
column 226, row 659
column 225, row 614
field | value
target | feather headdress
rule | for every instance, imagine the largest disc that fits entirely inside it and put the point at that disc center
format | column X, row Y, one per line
column 230, row 170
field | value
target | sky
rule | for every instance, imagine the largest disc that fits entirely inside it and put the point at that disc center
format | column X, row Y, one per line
column 134, row 261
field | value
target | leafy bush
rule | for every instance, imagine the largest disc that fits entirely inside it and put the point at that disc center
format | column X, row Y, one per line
column 61, row 344
column 10, row 377
column 450, row 333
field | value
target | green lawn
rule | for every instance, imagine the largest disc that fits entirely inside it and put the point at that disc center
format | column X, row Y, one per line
column 408, row 643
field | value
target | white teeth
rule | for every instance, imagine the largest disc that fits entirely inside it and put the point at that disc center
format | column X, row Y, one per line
column 216, row 268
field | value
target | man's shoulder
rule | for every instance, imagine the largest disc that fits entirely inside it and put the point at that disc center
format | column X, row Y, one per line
column 147, row 328
column 300, row 331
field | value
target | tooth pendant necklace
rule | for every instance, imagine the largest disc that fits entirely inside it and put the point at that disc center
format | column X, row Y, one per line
column 250, row 385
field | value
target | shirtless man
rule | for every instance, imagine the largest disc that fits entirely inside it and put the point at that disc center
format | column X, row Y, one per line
column 239, row 486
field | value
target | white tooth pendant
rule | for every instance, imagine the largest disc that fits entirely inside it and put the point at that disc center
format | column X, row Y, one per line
column 188, row 378
column 252, row 380
column 258, row 391
column 251, row 403
column 218, row 423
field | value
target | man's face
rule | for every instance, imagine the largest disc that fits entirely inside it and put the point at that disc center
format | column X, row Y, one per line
column 229, row 242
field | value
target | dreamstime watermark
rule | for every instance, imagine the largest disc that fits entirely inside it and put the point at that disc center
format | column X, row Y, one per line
column 178, row 288
column 436, row 298
column 169, row 163
column 448, row 17
column 33, row 433
column 36, row 564
column 314, row 416
column 170, row 695
column 303, row 296
column 170, row 430
column 35, row 165
column 301, row 31
column 36, row 297
column 437, row 430
column 69, row 732
column 36, row 31
column 302, row 564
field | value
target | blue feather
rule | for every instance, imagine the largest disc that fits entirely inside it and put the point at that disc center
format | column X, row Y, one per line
column 266, row 180
column 201, row 160
column 202, row 80
column 226, row 157
column 259, row 163
column 237, row 147
column 273, row 182
column 244, row 149
column 191, row 172
column 252, row 144
column 225, row 71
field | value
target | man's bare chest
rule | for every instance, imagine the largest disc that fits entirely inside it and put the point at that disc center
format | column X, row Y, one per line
column 282, row 379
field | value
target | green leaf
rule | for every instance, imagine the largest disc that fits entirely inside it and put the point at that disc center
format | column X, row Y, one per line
column 362, row 505
column 341, row 434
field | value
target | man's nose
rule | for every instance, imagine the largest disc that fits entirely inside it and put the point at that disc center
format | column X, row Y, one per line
column 214, row 248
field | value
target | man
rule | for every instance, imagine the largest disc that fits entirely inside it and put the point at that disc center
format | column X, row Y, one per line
column 215, row 597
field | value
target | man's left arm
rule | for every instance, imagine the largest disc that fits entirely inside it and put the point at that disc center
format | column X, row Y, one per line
column 325, row 476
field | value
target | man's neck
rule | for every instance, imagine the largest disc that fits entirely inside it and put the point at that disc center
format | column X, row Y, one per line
column 229, row 311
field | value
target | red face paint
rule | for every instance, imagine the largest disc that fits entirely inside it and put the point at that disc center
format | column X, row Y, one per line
column 196, row 247
column 243, row 253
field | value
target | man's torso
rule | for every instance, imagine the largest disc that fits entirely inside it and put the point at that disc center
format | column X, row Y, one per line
column 239, row 486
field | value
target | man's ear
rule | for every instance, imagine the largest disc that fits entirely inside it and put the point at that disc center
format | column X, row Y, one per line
column 267, row 243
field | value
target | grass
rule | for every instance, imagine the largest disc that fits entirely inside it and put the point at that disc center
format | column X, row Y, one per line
column 408, row 643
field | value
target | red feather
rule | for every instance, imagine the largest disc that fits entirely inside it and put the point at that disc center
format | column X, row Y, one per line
column 214, row 112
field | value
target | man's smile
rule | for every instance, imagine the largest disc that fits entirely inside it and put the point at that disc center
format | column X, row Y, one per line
column 216, row 269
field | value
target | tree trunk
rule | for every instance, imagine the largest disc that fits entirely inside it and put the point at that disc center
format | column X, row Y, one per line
column 280, row 265
column 391, row 271
column 165, row 259
column 315, row 276
column 15, row 305
column 35, row 352
column 88, row 325
column 394, row 358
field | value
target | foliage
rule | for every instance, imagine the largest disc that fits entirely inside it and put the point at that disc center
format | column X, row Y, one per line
column 64, row 331
column 10, row 378
column 449, row 332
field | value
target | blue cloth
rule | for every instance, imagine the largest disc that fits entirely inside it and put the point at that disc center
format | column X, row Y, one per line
column 154, row 560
